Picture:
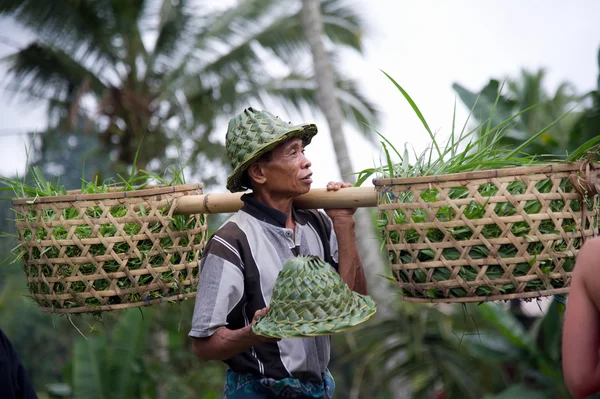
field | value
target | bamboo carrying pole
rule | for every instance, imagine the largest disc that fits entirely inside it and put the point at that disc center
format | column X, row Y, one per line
column 318, row 198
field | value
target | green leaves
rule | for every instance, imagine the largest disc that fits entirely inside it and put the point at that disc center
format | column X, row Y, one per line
column 508, row 326
column 417, row 112
column 109, row 365
column 520, row 391
column 482, row 104
column 487, row 146
column 89, row 369
column 491, row 345
column 548, row 332
column 543, row 129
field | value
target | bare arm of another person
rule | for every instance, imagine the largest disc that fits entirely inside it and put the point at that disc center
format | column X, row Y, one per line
column 226, row 343
column 581, row 331
column 350, row 266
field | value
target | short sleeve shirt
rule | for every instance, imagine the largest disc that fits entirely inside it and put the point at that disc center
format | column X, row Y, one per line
column 239, row 267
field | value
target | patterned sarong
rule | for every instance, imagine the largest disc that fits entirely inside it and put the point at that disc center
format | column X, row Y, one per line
column 243, row 386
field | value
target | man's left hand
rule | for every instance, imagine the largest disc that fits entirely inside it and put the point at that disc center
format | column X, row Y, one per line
column 342, row 212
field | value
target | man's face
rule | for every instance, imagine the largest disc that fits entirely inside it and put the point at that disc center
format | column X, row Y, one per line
column 288, row 171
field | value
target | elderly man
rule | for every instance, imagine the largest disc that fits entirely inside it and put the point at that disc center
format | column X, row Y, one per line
column 242, row 260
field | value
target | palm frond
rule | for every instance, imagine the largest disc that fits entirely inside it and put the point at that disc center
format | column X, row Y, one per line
column 45, row 72
column 172, row 29
column 278, row 30
column 296, row 91
column 342, row 24
column 75, row 26
column 223, row 24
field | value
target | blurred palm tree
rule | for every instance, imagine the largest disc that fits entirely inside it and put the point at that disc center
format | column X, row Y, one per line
column 541, row 109
column 165, row 70
column 588, row 126
column 423, row 346
column 467, row 351
column 333, row 109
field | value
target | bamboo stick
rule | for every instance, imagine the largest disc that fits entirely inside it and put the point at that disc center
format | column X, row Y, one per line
column 319, row 198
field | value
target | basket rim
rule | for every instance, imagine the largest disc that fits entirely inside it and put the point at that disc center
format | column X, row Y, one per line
column 152, row 190
column 483, row 174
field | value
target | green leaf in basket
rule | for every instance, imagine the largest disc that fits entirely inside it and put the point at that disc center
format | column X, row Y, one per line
column 479, row 252
column 532, row 207
column 430, row 195
column 431, row 293
column 420, row 276
column 487, row 190
column 546, row 267
column 532, row 261
column 474, row 210
column 461, row 233
column 520, row 229
column 450, row 254
column 419, row 216
column 445, row 214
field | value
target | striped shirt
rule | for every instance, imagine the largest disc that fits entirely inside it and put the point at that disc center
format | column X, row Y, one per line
column 238, row 271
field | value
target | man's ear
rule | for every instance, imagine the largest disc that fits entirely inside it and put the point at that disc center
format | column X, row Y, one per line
column 255, row 173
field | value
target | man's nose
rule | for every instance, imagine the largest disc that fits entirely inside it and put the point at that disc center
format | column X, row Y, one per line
column 307, row 163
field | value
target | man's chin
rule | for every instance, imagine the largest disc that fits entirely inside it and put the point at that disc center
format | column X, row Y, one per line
column 305, row 189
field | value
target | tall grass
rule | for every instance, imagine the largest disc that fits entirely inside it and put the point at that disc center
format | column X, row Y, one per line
column 467, row 150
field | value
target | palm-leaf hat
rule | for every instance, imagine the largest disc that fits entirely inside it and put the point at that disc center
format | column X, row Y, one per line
column 251, row 134
column 311, row 299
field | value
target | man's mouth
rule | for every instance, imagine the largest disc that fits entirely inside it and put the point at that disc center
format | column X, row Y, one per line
column 307, row 179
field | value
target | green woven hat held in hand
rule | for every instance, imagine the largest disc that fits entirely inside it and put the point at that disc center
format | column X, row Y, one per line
column 251, row 134
column 311, row 299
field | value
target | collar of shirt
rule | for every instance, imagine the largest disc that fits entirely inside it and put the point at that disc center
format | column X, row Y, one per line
column 267, row 214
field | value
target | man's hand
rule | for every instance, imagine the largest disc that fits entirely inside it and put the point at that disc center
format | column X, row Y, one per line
column 343, row 212
column 257, row 316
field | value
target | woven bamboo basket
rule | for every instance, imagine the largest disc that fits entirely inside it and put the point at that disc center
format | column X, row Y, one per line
column 487, row 236
column 88, row 253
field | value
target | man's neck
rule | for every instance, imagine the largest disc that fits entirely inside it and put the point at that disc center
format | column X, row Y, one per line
column 283, row 205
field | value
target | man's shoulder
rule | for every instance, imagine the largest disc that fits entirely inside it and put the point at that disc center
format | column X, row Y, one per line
column 231, row 229
column 228, row 242
column 314, row 216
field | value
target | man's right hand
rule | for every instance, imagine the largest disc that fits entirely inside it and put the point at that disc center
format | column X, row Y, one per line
column 257, row 316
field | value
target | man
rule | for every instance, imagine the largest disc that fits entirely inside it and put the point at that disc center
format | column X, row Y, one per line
column 242, row 260
column 581, row 332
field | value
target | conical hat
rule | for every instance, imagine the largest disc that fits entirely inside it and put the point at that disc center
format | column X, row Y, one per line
column 252, row 133
column 311, row 299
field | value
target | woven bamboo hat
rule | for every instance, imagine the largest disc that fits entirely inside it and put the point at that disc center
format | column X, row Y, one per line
column 251, row 134
column 310, row 299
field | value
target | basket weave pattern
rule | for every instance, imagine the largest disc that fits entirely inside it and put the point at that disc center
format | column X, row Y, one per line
column 311, row 299
column 96, row 252
column 492, row 235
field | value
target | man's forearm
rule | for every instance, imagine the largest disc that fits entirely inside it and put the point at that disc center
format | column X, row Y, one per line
column 349, row 263
column 224, row 343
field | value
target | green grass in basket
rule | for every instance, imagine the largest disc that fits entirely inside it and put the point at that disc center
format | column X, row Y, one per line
column 41, row 187
column 467, row 151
